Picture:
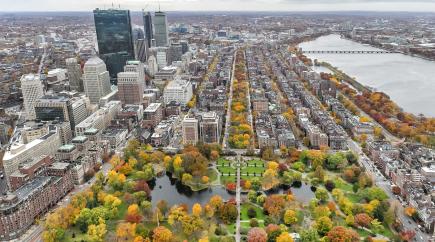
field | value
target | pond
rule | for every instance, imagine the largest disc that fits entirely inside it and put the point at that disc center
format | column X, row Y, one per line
column 174, row 192
column 302, row 192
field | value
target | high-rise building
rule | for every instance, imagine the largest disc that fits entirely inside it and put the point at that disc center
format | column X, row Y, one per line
column 190, row 131
column 161, row 29
column 74, row 74
column 131, row 83
column 72, row 110
column 32, row 89
column 115, row 38
column 210, row 127
column 178, row 90
column 148, row 28
column 141, row 50
column 96, row 79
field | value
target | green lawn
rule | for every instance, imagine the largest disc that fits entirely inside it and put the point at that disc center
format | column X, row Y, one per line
column 222, row 161
column 226, row 169
column 252, row 169
column 244, row 211
column 259, row 162
column 342, row 184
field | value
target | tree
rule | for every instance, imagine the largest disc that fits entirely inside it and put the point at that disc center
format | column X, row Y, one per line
column 373, row 193
column 205, row 179
column 214, row 155
column 162, row 234
column 396, row 190
column 323, row 225
column 407, row 235
column 257, row 235
column 290, row 217
column 197, row 209
column 363, row 220
column 319, row 173
column 350, row 220
column 186, row 178
column 133, row 214
column 410, row 211
column 329, row 185
column 336, row 161
column 284, row 237
column 309, row 235
column 274, row 205
column 322, row 194
column 321, row 211
column 96, row 233
column 342, row 234
column 191, row 224
column 228, row 213
column 216, row 202
column 91, row 216
column 126, row 231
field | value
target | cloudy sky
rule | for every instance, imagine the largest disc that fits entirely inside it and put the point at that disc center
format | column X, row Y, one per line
column 207, row 5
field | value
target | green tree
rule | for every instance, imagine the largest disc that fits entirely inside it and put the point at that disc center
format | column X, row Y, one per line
column 322, row 194
column 323, row 225
column 290, row 217
column 309, row 235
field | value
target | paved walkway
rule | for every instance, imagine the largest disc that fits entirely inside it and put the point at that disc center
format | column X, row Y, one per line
column 238, row 201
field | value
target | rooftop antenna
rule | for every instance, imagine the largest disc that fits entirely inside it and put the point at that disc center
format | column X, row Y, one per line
column 112, row 5
column 119, row 5
column 159, row 6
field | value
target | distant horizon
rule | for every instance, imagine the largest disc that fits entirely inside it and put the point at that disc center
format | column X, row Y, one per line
column 417, row 6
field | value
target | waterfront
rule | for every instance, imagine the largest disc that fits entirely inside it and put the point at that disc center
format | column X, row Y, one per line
column 409, row 81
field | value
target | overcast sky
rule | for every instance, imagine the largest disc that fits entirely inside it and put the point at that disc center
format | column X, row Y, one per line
column 209, row 5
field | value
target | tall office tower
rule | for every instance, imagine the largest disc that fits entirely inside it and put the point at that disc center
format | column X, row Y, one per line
column 115, row 39
column 161, row 29
column 190, row 131
column 184, row 46
column 74, row 74
column 141, row 50
column 131, row 83
column 148, row 28
column 210, row 127
column 96, row 79
column 32, row 89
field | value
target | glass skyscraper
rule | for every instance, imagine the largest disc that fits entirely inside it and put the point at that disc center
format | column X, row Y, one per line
column 115, row 39
column 161, row 29
column 148, row 27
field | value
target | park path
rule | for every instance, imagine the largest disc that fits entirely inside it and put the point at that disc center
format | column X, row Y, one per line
column 238, row 201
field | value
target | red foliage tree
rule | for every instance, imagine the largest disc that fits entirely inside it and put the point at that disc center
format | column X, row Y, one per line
column 231, row 186
column 363, row 219
column 407, row 235
column 341, row 234
column 257, row 235
column 274, row 205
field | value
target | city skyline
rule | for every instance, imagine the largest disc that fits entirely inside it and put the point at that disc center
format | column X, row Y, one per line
column 225, row 5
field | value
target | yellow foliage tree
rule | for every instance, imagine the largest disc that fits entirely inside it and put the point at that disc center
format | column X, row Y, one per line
column 284, row 237
column 197, row 209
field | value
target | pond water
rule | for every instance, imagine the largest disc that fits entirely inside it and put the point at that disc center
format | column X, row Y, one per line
column 302, row 192
column 174, row 192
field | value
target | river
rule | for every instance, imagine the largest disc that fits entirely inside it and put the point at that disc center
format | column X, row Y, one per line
column 409, row 81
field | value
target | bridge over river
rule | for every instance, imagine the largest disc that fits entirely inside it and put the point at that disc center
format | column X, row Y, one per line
column 348, row 52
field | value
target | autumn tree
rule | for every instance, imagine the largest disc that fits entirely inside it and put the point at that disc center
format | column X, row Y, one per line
column 96, row 233
column 197, row 209
column 274, row 205
column 323, row 225
column 284, row 237
column 290, row 217
column 133, row 214
column 126, row 231
column 340, row 234
column 257, row 235
column 162, row 234
column 363, row 220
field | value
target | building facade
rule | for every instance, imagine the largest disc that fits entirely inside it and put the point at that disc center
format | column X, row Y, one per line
column 74, row 74
column 115, row 38
column 161, row 29
column 32, row 89
column 96, row 79
column 190, row 131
